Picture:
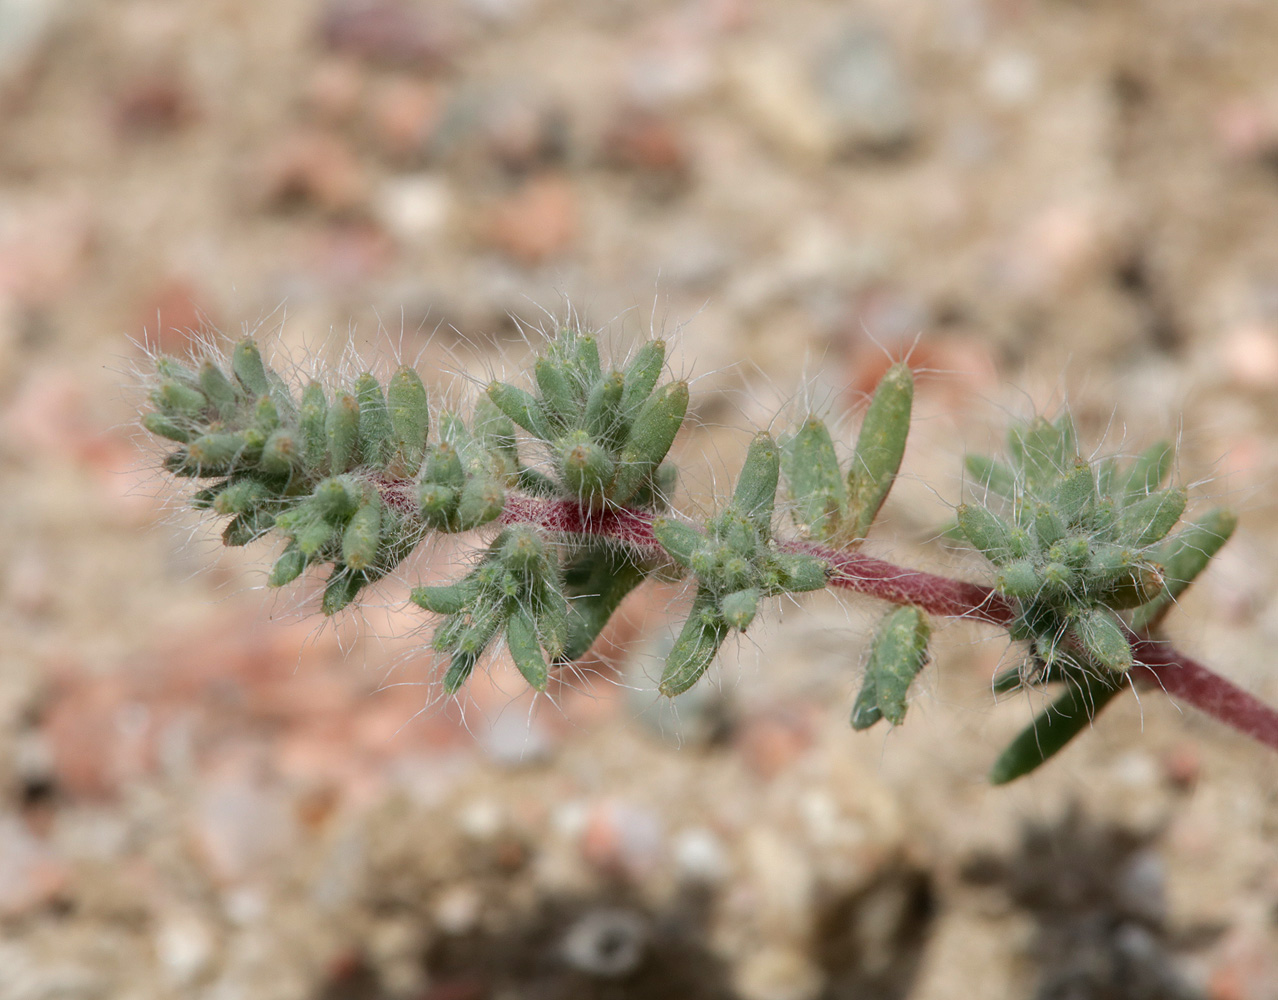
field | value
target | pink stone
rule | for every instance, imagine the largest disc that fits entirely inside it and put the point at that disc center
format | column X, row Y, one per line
column 31, row 874
column 536, row 222
column 313, row 166
column 1250, row 355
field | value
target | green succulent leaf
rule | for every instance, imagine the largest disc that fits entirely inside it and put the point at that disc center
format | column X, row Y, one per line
column 1067, row 716
column 1149, row 520
column 897, row 654
column 1183, row 556
column 1148, row 472
column 755, row 495
column 409, row 410
column 595, row 582
column 246, row 361
column 879, row 449
column 817, row 489
column 991, row 475
column 525, row 650
column 695, row 648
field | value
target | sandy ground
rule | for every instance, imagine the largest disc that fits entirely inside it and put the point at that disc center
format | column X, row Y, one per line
column 205, row 794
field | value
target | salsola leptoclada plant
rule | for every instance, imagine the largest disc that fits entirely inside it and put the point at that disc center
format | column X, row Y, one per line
column 568, row 483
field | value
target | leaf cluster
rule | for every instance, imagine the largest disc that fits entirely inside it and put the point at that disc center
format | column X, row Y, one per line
column 355, row 476
column 1084, row 549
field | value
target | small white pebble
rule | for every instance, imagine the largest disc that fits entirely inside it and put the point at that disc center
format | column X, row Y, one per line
column 700, row 855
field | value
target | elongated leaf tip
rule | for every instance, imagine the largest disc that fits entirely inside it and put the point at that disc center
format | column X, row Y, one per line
column 879, row 449
column 695, row 648
column 1052, row 729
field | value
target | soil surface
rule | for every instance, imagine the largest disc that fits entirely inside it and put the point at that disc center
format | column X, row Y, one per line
column 206, row 792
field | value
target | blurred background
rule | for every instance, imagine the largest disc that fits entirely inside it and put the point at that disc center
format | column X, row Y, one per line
column 205, row 793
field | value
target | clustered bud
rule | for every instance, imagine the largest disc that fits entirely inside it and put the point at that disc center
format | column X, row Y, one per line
column 1076, row 545
column 607, row 433
column 350, row 477
column 314, row 469
column 736, row 562
column 1080, row 542
column 514, row 589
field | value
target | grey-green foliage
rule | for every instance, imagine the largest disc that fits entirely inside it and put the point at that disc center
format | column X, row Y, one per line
column 355, row 476
column 603, row 434
column 1083, row 550
column 830, row 505
column 352, row 477
column 736, row 562
column 838, row 507
column 599, row 437
column 735, row 558
column 514, row 590
column 312, row 469
column 897, row 654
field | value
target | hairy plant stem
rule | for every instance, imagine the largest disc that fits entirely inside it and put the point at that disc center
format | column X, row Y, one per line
column 1158, row 663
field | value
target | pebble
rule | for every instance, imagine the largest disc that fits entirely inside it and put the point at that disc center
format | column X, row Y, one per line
column 395, row 946
column 623, row 838
column 1182, row 765
column 414, row 208
column 1135, row 770
column 609, row 943
column 313, row 166
column 570, row 818
column 31, row 874
column 1247, row 129
column 458, row 908
column 778, row 972
column 154, row 104
column 770, row 84
column 482, row 819
column 700, row 856
column 1245, row 964
column 244, row 905
column 185, row 946
column 538, row 221
column 1010, row 79
column 772, row 742
column 522, row 131
column 335, row 89
column 643, row 140
column 389, row 32
column 80, row 727
column 1141, row 887
column 1249, row 354
column 405, row 114
column 865, row 93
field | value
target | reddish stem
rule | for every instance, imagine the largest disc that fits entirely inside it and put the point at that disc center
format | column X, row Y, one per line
column 1158, row 663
